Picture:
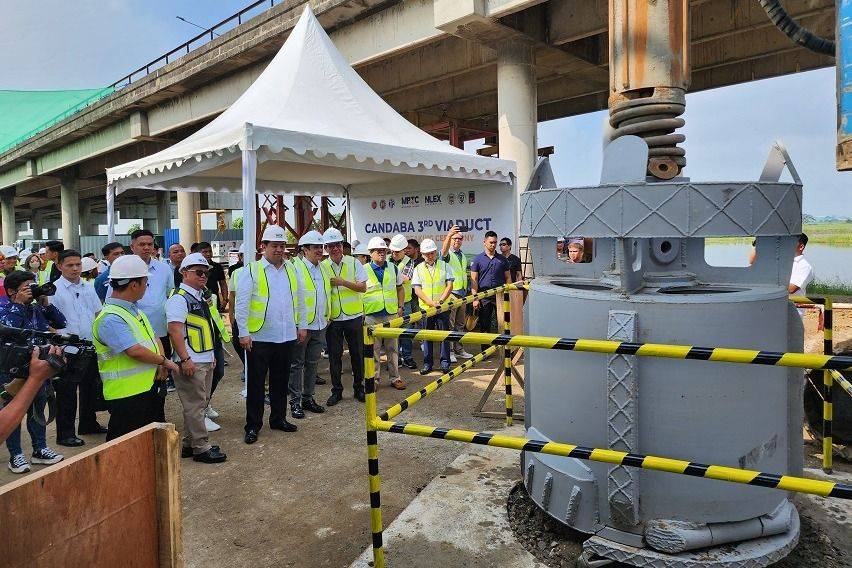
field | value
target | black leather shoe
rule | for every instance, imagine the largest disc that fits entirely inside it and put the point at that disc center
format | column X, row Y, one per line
column 425, row 370
column 359, row 395
column 94, row 429
column 333, row 399
column 186, row 451
column 213, row 455
column 312, row 406
column 409, row 363
column 445, row 369
column 251, row 436
column 284, row 426
column 319, row 380
column 71, row 442
column 296, row 410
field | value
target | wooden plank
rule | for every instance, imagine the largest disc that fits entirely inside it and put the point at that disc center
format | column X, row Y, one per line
column 169, row 519
column 95, row 509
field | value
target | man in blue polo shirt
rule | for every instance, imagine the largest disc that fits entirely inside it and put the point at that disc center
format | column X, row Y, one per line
column 488, row 270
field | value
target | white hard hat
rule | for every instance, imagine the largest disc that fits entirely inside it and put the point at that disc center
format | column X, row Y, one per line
column 194, row 259
column 8, row 252
column 398, row 243
column 361, row 249
column 128, row 266
column 332, row 235
column 428, row 245
column 89, row 263
column 274, row 233
column 311, row 238
column 42, row 250
column 377, row 243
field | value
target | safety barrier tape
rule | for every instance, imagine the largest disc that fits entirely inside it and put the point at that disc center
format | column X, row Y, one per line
column 841, row 380
column 451, row 304
column 373, row 452
column 654, row 463
column 410, row 401
column 507, row 358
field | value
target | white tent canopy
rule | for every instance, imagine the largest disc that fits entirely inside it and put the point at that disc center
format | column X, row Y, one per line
column 309, row 125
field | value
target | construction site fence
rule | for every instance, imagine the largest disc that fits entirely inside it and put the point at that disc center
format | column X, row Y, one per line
column 382, row 421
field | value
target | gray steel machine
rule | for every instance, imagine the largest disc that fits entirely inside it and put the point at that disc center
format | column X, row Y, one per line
column 648, row 281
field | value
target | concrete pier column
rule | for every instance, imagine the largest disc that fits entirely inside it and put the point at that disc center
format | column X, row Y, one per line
column 37, row 224
column 164, row 211
column 88, row 222
column 53, row 235
column 188, row 203
column 70, row 205
column 517, row 106
column 7, row 216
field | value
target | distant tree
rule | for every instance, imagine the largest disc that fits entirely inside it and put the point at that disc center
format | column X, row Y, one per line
column 133, row 227
column 237, row 223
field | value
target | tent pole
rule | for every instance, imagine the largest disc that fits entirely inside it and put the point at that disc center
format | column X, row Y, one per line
column 110, row 211
column 249, row 204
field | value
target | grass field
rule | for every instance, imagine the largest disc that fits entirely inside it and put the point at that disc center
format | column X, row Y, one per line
column 821, row 288
column 836, row 234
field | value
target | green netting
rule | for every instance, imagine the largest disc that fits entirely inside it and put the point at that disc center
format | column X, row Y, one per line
column 25, row 113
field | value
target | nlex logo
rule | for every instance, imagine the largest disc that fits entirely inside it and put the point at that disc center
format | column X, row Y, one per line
column 433, row 199
column 410, row 200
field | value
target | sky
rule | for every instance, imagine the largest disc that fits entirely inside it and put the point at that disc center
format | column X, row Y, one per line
column 62, row 44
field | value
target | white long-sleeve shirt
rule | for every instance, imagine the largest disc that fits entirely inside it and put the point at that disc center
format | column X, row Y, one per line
column 280, row 323
column 79, row 304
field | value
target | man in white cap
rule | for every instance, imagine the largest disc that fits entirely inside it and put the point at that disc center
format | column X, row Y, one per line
column 348, row 282
column 193, row 332
column 361, row 253
column 8, row 264
column 306, row 355
column 433, row 284
column 131, row 359
column 383, row 300
column 269, row 297
column 400, row 247
column 89, row 270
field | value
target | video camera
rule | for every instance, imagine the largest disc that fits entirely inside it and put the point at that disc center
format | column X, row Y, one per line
column 39, row 290
column 16, row 346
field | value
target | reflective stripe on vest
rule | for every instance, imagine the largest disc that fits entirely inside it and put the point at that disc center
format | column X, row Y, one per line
column 432, row 284
column 260, row 293
column 459, row 268
column 224, row 332
column 198, row 329
column 406, row 284
column 381, row 296
column 343, row 300
column 311, row 290
column 121, row 374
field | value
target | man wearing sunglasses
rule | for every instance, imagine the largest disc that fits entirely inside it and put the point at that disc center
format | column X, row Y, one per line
column 193, row 334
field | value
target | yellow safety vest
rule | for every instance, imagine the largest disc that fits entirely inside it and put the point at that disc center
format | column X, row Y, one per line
column 432, row 284
column 311, row 290
column 44, row 274
column 224, row 332
column 381, row 295
column 199, row 322
column 459, row 268
column 235, row 278
column 343, row 300
column 406, row 285
column 260, row 293
column 122, row 375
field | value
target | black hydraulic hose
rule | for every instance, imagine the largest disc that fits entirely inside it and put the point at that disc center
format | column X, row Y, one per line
column 782, row 20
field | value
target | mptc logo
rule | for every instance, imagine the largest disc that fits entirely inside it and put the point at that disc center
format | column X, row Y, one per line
column 410, row 200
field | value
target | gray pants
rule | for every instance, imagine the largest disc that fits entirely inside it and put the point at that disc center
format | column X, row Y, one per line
column 303, row 368
column 194, row 392
column 391, row 347
column 457, row 316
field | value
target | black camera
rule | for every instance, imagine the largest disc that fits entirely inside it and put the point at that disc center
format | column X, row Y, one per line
column 16, row 346
column 39, row 290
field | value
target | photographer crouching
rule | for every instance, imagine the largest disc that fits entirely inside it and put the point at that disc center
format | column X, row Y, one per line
column 24, row 311
column 12, row 410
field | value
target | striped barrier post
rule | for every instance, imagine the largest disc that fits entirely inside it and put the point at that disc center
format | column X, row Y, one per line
column 689, row 352
column 654, row 463
column 373, row 451
column 411, row 400
column 827, row 382
column 841, row 380
column 507, row 358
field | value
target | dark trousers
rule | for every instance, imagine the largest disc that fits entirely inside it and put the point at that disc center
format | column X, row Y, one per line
column 66, row 405
column 439, row 322
column 128, row 414
column 274, row 359
column 161, row 398
column 235, row 342
column 487, row 319
column 219, row 370
column 352, row 331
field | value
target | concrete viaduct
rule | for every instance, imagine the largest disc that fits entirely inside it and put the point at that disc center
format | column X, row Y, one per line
column 469, row 68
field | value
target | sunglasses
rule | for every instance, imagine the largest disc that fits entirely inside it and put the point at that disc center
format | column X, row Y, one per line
column 200, row 273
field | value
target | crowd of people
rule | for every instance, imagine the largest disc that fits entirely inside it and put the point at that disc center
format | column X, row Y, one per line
column 161, row 326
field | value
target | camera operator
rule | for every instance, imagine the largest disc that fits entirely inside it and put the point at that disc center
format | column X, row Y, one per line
column 130, row 356
column 79, row 303
column 12, row 413
column 39, row 315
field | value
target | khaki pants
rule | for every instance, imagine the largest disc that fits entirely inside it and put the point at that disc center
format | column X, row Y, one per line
column 457, row 317
column 194, row 392
column 391, row 347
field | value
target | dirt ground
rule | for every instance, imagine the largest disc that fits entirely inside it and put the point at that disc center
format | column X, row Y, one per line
column 301, row 499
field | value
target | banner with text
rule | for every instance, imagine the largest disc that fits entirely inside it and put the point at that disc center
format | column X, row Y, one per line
column 431, row 214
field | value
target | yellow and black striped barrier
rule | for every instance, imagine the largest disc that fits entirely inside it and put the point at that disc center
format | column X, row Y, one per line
column 451, row 304
column 841, row 380
column 689, row 352
column 373, row 451
column 654, row 463
column 411, row 400
column 507, row 357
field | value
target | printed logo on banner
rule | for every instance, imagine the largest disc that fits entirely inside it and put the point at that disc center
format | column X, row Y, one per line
column 410, row 200
column 461, row 197
column 452, row 199
column 383, row 204
column 374, row 204
column 391, row 203
column 471, row 197
column 434, row 199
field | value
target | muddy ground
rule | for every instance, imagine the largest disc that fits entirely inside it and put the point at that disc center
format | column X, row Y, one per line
column 301, row 499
